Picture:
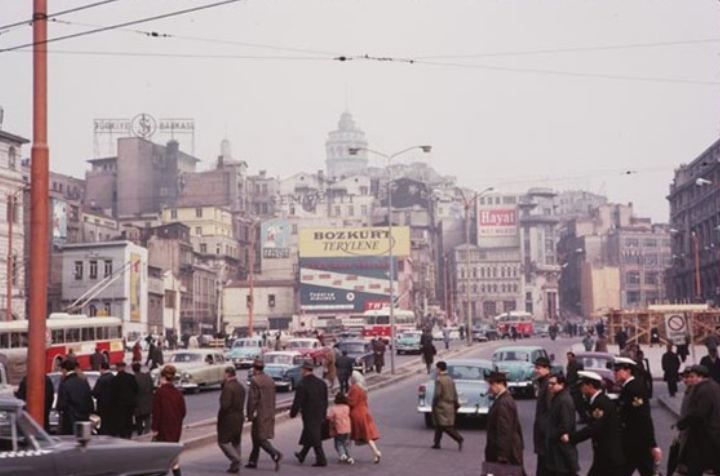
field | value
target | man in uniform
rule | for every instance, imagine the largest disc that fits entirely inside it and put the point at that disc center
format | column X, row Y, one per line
column 638, row 433
column 603, row 427
column 542, row 412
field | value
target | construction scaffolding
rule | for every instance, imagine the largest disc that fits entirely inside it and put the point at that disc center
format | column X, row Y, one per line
column 702, row 321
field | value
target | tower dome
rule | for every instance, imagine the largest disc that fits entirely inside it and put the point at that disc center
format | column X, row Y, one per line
column 340, row 162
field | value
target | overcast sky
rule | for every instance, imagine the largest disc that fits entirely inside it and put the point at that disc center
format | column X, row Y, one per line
column 506, row 118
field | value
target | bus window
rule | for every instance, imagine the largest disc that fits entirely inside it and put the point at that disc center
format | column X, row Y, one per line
column 101, row 333
column 72, row 335
column 113, row 332
column 88, row 334
column 383, row 319
column 4, row 341
column 23, row 339
column 58, row 336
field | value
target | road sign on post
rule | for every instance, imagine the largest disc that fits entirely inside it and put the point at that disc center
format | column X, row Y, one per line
column 676, row 328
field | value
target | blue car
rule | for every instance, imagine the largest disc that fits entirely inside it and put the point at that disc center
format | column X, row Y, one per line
column 469, row 376
column 284, row 367
column 244, row 351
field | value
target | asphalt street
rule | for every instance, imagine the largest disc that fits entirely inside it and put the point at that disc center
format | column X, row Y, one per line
column 405, row 442
column 204, row 405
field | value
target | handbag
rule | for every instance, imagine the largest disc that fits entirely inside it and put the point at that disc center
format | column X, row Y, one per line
column 500, row 469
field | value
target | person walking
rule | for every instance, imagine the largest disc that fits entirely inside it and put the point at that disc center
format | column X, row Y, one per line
column 621, row 339
column 21, row 393
column 671, row 367
column 654, row 336
column 143, row 399
column 428, row 350
column 344, row 366
column 683, row 350
column 150, row 361
column 542, row 413
column 603, row 428
column 504, row 443
column 311, row 399
column 124, row 391
column 588, row 342
column 561, row 457
column 261, row 413
column 712, row 363
column 96, row 359
column 444, row 407
column 572, row 369
column 339, row 421
column 379, row 355
column 74, row 400
column 137, row 352
column 102, row 392
column 677, row 447
column 331, row 368
column 601, row 344
column 638, row 434
column 168, row 411
column 364, row 431
column 702, row 423
column 230, row 418
column 446, row 337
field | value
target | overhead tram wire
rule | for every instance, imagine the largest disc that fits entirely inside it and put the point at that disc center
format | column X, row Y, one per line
column 121, row 25
column 57, row 14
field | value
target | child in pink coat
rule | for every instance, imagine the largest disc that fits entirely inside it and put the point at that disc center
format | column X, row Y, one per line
column 339, row 419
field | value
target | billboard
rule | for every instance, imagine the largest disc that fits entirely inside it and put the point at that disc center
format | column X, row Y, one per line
column 59, row 221
column 497, row 222
column 275, row 239
column 346, row 269
column 135, row 278
column 353, row 242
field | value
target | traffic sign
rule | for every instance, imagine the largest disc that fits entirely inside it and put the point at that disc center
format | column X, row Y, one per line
column 676, row 328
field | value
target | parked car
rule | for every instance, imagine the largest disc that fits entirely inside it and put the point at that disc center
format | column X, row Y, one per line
column 360, row 351
column 541, row 328
column 309, row 347
column 469, row 376
column 284, row 367
column 345, row 335
column 453, row 332
column 196, row 369
column 602, row 364
column 245, row 350
column 26, row 449
column 518, row 363
column 409, row 342
column 54, row 418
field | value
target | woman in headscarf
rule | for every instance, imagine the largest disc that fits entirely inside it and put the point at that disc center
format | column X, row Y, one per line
column 363, row 426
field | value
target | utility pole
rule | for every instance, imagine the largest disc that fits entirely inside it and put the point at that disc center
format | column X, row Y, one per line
column 251, row 280
column 39, row 226
column 391, row 268
column 466, row 306
column 11, row 220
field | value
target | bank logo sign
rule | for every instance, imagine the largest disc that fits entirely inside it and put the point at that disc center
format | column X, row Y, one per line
column 497, row 222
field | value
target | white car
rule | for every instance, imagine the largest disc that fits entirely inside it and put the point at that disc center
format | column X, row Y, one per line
column 196, row 369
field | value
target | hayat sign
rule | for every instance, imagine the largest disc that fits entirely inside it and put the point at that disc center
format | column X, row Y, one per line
column 497, row 222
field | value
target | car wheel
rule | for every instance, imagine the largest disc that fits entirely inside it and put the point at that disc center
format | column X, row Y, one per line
column 428, row 420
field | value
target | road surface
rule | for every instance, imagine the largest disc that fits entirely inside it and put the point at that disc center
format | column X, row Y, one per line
column 405, row 442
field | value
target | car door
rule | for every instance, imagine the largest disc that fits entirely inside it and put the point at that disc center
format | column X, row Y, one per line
column 20, row 452
column 219, row 368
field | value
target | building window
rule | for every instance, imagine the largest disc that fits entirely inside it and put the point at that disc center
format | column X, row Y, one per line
column 294, row 228
column 107, row 309
column 338, row 211
column 218, row 249
column 651, row 278
column 633, row 297
column 93, row 269
column 203, row 248
column 632, row 278
column 198, row 213
column 351, row 211
column 108, row 268
column 92, row 310
column 78, row 270
column 12, row 158
column 632, row 242
column 173, row 214
column 271, row 300
column 363, row 190
column 198, row 230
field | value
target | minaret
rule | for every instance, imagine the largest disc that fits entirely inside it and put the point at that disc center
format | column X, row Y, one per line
column 340, row 163
column 225, row 156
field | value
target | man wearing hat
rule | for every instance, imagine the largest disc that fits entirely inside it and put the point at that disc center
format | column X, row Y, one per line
column 261, row 412
column 603, row 427
column 504, row 443
column 542, row 413
column 638, row 434
column 701, row 422
column 311, row 400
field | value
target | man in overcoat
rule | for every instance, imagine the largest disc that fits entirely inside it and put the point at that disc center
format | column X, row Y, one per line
column 542, row 412
column 74, row 401
column 102, row 392
column 124, row 391
column 261, row 412
column 231, row 418
column 444, row 407
column 504, row 442
column 311, row 400
column 143, row 400
column 671, row 369
column 561, row 457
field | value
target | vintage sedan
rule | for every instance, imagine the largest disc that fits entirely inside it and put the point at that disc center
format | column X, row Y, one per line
column 602, row 364
column 284, row 367
column 26, row 449
column 409, row 343
column 518, row 363
column 245, row 350
column 361, row 352
column 469, row 376
column 55, row 377
column 196, row 369
column 309, row 347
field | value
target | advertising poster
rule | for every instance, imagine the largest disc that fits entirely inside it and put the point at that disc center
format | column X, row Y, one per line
column 497, row 222
column 275, row 239
column 59, row 222
column 135, row 279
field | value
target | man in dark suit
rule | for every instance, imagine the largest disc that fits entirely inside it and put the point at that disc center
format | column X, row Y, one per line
column 124, row 390
column 542, row 413
column 103, row 398
column 74, row 400
column 311, row 399
column 702, row 423
column 712, row 363
column 603, row 428
column 504, row 442
column 638, row 432
column 231, row 418
column 671, row 367
column 261, row 412
column 21, row 393
column 344, row 366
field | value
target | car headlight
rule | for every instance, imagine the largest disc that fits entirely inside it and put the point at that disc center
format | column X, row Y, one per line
column 186, row 376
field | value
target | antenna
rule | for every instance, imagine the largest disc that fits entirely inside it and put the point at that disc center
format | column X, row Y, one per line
column 347, row 98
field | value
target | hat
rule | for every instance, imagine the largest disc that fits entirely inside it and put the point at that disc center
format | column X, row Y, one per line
column 624, row 363
column 496, row 377
column 588, row 375
column 308, row 365
column 258, row 364
column 686, row 370
column 700, row 370
column 542, row 362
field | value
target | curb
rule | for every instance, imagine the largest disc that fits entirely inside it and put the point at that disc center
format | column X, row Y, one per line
column 283, row 412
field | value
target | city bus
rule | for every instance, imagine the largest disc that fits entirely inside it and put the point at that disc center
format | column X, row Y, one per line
column 64, row 332
column 522, row 322
column 376, row 322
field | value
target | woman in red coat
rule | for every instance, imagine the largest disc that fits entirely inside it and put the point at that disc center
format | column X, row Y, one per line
column 168, row 411
column 363, row 426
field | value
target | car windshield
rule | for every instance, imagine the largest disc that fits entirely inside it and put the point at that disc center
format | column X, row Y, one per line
column 278, row 359
column 595, row 362
column 513, row 355
column 184, row 357
column 246, row 343
column 410, row 336
column 31, row 436
column 354, row 348
column 300, row 344
column 467, row 372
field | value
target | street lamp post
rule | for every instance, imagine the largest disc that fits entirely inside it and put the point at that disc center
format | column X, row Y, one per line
column 391, row 265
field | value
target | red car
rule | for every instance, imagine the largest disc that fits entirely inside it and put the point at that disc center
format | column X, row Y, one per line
column 309, row 348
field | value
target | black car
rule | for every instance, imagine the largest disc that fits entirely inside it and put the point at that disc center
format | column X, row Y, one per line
column 361, row 352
